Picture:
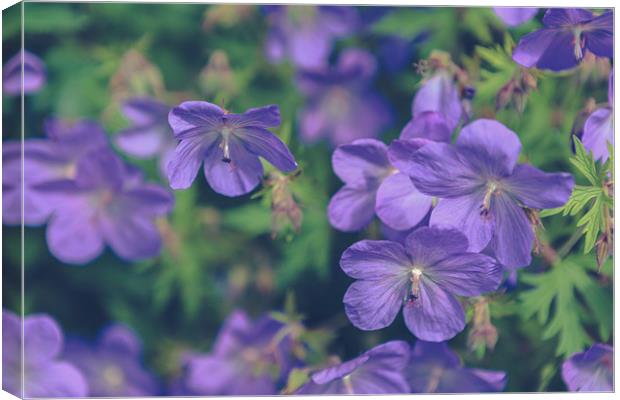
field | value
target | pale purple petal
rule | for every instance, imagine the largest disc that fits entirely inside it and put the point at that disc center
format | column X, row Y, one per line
column 42, row 339
column 209, row 375
column 351, row 208
column 142, row 141
column 185, row 163
column 120, row 338
column 148, row 199
column 34, row 74
column 467, row 274
column 362, row 163
column 546, row 49
column 237, row 177
column 428, row 245
column 598, row 132
column 537, row 189
column 73, row 236
column 399, row 204
column 131, row 236
column 56, row 379
column 439, row 95
column 374, row 304
column 145, row 111
column 267, row 145
column 515, row 16
column 428, row 125
column 262, row 117
column 374, row 260
column 514, row 236
column 192, row 118
column 591, row 370
column 559, row 17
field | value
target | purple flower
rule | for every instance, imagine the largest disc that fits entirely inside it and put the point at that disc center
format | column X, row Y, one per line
column 34, row 74
column 377, row 371
column 340, row 102
column 598, row 130
column 44, row 160
column 567, row 34
column 229, row 145
column 422, row 276
column 591, row 370
column 150, row 135
column 483, row 191
column 305, row 34
column 436, row 369
column 248, row 358
column 45, row 374
column 107, row 202
column 372, row 185
column 436, row 110
column 515, row 16
column 112, row 366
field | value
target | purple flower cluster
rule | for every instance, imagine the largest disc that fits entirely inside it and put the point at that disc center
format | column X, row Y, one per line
column 567, row 35
column 598, row 131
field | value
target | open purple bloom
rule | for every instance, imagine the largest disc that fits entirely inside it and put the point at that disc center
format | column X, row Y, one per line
column 34, row 74
column 436, row 110
column 421, row 276
column 377, row 371
column 112, row 366
column 483, row 191
column 341, row 104
column 45, row 160
column 372, row 185
column 598, row 130
column 591, row 370
column 248, row 358
column 515, row 16
column 107, row 202
column 567, row 34
column 305, row 34
column 434, row 368
column 150, row 135
column 229, row 145
column 45, row 374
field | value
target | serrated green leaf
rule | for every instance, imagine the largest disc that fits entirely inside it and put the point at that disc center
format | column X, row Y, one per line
column 584, row 162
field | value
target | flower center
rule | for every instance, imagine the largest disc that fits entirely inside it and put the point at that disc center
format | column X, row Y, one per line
column 414, row 292
column 493, row 189
column 346, row 380
column 226, row 134
column 578, row 42
column 113, row 376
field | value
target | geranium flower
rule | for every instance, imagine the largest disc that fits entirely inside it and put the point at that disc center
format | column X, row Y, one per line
column 421, row 276
column 483, row 191
column 515, row 16
column 150, row 135
column 34, row 74
column 567, row 35
column 591, row 370
column 341, row 104
column 372, row 185
column 434, row 368
column 112, row 366
column 377, row 371
column 229, row 145
column 107, row 202
column 436, row 110
column 44, row 160
column 248, row 358
column 46, row 375
column 598, row 130
column 305, row 34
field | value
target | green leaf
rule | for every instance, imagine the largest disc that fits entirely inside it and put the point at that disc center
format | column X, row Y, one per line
column 253, row 219
column 584, row 162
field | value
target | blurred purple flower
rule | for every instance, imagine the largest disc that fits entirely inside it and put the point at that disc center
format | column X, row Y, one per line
column 436, row 110
column 112, row 366
column 305, row 34
column 591, row 370
column 341, row 105
column 107, row 202
column 150, row 135
column 45, row 374
column 483, row 191
column 434, row 368
column 598, row 130
column 422, row 276
column 44, row 160
column 229, row 145
column 515, row 16
column 377, row 371
column 248, row 358
column 372, row 185
column 34, row 74
column 567, row 34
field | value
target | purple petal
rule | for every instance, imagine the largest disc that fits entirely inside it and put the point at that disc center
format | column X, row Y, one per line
column 428, row 125
column 351, row 209
column 515, row 16
column 131, row 236
column 428, row 245
column 309, row 47
column 11, row 340
column 434, row 353
column 148, row 199
column 590, row 371
column 233, row 333
column 537, row 189
column 439, row 95
column 237, row 177
column 513, row 237
column 120, row 338
column 598, row 132
column 42, row 339
column 493, row 381
column 546, row 49
column 211, row 376
column 368, row 114
column 374, row 260
column 500, row 144
column 101, row 169
column 267, row 145
column 73, row 237
column 560, row 17
column 34, row 74
column 142, row 141
column 399, row 204
column 262, row 117
column 466, row 274
column 313, row 123
column 436, row 316
column 362, row 163
column 357, row 61
column 193, row 118
column 374, row 304
column 599, row 38
column 463, row 213
column 145, row 111
column 185, row 162
column 400, row 150
column 56, row 379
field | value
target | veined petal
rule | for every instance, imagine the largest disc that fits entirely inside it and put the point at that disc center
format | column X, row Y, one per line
column 537, row 189
column 148, row 199
column 237, row 177
column 591, row 370
column 73, row 237
column 351, row 209
column 598, row 131
column 262, row 117
column 142, row 141
column 466, row 274
column 599, row 37
column 428, row 245
column 375, row 260
column 362, row 163
column 131, row 236
column 399, row 204
column 267, row 145
column 374, row 304
column 559, row 17
column 439, row 95
column 436, row 315
column 145, row 111
column 546, row 49
column 513, row 234
column 186, row 160
column 428, row 125
column 192, row 118
column 400, row 151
